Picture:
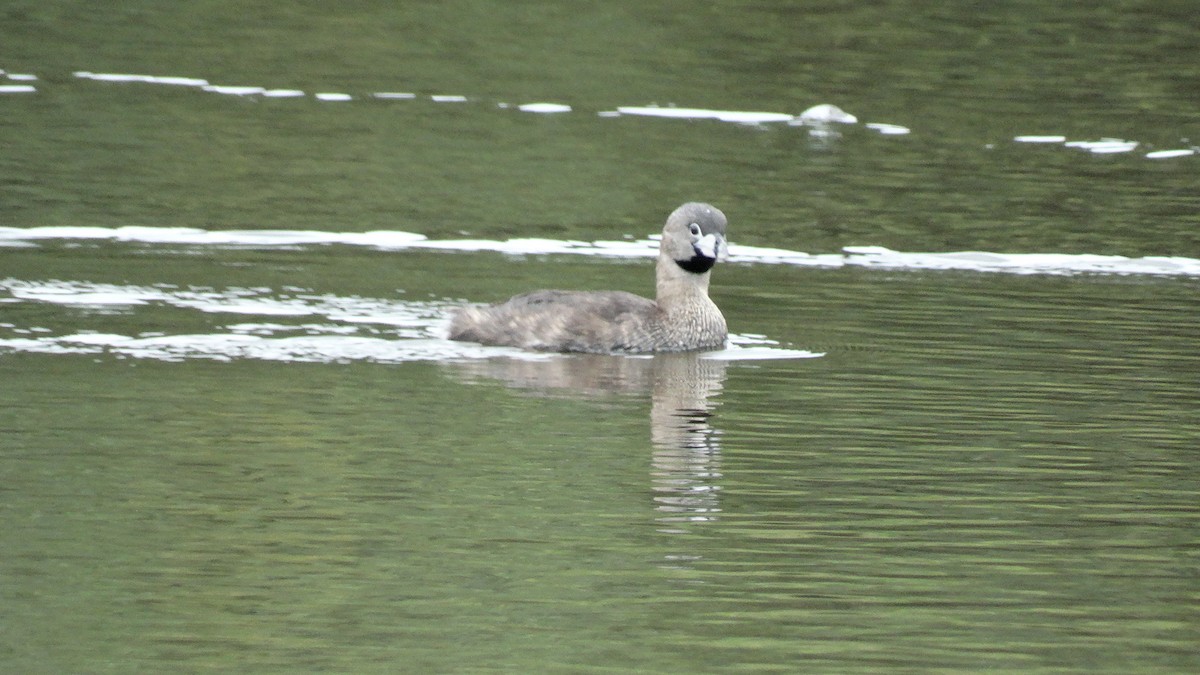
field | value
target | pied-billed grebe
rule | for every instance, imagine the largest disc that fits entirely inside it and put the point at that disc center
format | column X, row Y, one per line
column 682, row 318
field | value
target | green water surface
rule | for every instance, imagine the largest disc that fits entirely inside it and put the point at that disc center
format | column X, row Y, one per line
column 983, row 472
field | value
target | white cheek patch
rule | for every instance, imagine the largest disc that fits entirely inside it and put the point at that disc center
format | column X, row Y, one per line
column 708, row 246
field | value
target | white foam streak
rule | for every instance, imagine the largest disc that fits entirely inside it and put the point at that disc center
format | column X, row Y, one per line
column 230, row 347
column 740, row 117
column 821, row 116
column 394, row 240
column 735, row 353
column 354, row 328
column 1040, row 139
column 544, row 108
column 192, row 236
column 231, row 90
column 247, row 301
column 752, row 347
column 780, row 256
column 888, row 129
column 1104, row 146
column 146, row 79
column 1022, row 263
column 820, row 119
column 1168, row 154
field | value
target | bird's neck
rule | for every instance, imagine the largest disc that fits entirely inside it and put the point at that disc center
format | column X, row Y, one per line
column 676, row 286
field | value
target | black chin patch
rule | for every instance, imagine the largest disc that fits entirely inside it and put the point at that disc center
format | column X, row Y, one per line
column 697, row 264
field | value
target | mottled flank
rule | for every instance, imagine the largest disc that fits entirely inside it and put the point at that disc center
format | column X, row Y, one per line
column 682, row 318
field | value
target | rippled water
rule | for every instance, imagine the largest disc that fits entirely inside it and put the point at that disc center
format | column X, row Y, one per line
column 955, row 428
column 961, row 469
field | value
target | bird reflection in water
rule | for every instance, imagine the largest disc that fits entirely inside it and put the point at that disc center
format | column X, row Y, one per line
column 687, row 449
column 685, row 471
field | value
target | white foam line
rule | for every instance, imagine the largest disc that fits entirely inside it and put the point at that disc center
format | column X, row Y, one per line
column 740, row 117
column 17, row 89
column 644, row 249
column 862, row 256
column 888, row 129
column 147, row 79
column 230, row 90
column 230, row 347
column 1104, row 146
column 735, row 353
column 544, row 108
column 822, row 115
column 397, row 331
column 779, row 256
column 1040, row 139
column 818, row 115
column 1167, row 154
column 191, row 236
column 1022, row 263
column 253, row 301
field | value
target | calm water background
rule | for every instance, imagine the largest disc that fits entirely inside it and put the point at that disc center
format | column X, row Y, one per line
column 983, row 471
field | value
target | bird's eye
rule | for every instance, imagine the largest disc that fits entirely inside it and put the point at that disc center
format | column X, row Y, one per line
column 694, row 228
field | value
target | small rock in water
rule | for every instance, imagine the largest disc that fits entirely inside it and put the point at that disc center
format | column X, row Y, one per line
column 826, row 113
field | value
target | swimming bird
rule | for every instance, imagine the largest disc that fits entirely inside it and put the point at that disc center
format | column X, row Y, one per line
column 681, row 318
